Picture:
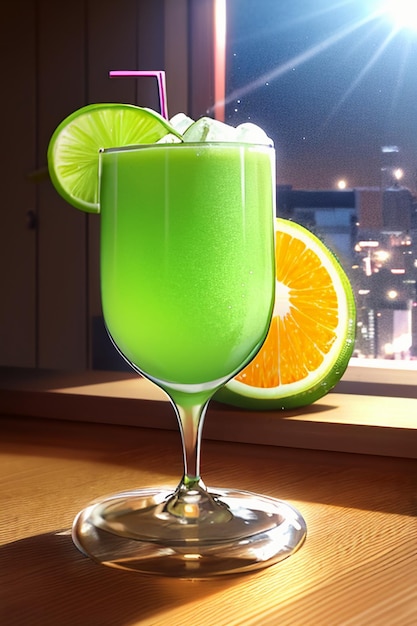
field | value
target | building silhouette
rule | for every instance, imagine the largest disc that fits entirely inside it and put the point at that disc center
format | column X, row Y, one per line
column 373, row 231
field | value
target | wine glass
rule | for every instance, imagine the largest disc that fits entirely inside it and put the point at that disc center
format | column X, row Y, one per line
column 187, row 284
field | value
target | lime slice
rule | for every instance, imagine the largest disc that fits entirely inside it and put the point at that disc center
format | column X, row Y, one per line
column 312, row 333
column 73, row 151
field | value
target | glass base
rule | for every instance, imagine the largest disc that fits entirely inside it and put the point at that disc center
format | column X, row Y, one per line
column 204, row 534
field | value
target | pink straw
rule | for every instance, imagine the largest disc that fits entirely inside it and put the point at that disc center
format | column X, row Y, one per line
column 160, row 77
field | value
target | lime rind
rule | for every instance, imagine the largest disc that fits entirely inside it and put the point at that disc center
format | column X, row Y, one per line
column 328, row 374
column 73, row 151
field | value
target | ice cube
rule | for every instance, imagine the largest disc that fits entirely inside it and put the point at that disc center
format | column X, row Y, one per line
column 208, row 129
column 181, row 122
column 251, row 133
column 170, row 138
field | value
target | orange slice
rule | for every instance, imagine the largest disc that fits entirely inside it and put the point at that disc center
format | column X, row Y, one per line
column 312, row 332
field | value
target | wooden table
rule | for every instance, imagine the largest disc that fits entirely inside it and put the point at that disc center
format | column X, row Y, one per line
column 357, row 567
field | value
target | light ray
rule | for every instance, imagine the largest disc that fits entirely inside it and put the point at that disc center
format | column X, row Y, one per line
column 301, row 18
column 364, row 71
column 401, row 76
column 296, row 61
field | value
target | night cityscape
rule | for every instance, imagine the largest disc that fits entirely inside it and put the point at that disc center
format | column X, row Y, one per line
column 373, row 232
column 334, row 85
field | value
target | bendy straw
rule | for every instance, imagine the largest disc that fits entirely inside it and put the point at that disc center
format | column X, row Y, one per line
column 160, row 77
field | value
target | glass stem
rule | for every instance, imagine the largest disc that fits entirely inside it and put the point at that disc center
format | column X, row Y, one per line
column 190, row 415
column 191, row 502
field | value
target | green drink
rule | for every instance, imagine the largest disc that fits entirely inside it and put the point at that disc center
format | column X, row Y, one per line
column 187, row 279
column 187, row 273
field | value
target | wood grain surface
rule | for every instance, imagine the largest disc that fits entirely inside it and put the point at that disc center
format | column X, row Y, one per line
column 357, row 567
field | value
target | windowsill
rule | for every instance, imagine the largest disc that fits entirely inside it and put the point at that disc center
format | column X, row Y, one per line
column 341, row 421
column 380, row 378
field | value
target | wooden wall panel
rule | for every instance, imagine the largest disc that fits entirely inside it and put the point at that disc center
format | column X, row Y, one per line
column 201, row 58
column 18, row 160
column 150, row 50
column 111, row 45
column 176, row 55
column 62, row 251
column 58, row 61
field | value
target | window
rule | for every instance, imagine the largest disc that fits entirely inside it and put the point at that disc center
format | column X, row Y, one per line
column 333, row 84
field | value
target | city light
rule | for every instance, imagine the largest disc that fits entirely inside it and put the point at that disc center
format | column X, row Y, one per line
column 342, row 184
column 368, row 244
column 382, row 255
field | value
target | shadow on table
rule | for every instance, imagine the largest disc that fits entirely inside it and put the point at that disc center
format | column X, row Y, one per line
column 47, row 581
